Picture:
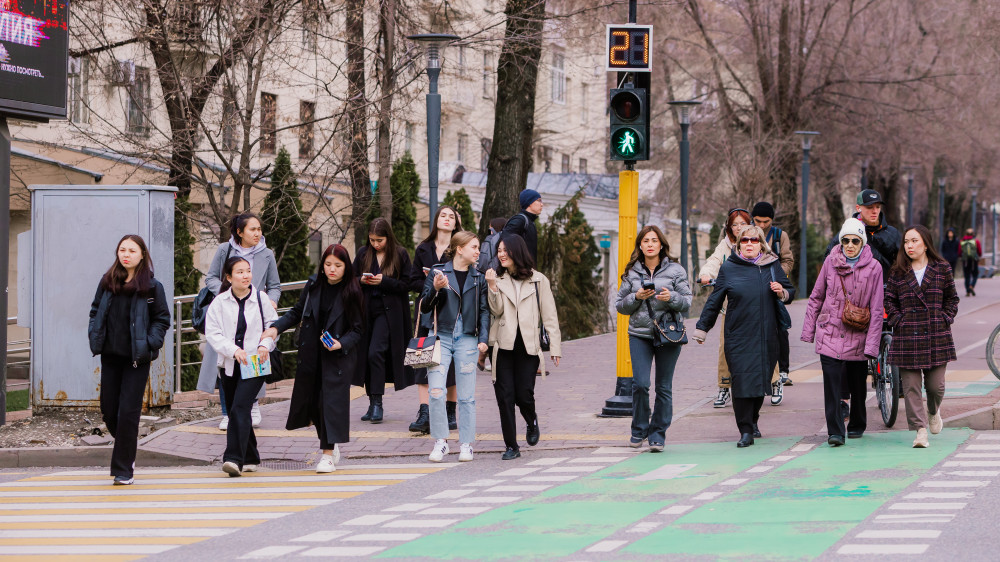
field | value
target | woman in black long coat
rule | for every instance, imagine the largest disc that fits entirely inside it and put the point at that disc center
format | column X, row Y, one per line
column 752, row 280
column 330, row 305
column 384, row 267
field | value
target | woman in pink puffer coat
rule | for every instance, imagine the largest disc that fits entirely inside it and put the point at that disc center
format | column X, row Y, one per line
column 849, row 272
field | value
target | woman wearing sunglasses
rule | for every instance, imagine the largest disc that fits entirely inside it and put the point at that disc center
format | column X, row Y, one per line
column 752, row 281
column 850, row 274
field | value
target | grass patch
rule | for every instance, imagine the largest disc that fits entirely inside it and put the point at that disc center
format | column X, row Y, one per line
column 17, row 400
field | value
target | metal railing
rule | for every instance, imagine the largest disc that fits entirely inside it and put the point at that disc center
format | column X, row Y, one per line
column 183, row 326
column 15, row 350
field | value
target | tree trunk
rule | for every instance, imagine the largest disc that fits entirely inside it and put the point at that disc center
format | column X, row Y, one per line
column 514, row 116
column 357, row 118
column 387, row 16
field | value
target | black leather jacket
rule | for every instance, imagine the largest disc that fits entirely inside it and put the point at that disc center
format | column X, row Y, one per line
column 150, row 319
column 472, row 303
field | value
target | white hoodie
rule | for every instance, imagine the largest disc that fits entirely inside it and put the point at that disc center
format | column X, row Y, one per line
column 220, row 325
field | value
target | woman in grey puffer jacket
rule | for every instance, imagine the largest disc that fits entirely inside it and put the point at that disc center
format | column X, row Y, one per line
column 670, row 296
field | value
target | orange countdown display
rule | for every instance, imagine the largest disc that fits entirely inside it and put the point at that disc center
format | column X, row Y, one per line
column 629, row 48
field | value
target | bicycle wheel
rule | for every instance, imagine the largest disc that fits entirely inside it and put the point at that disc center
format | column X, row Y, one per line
column 993, row 352
column 888, row 387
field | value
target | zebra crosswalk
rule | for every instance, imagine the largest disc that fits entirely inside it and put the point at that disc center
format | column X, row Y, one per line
column 78, row 514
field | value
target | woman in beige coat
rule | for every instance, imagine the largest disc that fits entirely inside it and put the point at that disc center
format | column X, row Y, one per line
column 520, row 301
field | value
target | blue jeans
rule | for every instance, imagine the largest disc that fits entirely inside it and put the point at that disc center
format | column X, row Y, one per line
column 461, row 349
column 643, row 353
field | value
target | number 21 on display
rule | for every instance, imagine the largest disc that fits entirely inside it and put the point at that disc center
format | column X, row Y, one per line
column 628, row 48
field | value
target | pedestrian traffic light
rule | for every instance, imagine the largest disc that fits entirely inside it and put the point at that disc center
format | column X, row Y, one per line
column 629, row 124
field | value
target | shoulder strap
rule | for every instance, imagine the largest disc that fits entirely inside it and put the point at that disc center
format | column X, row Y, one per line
column 229, row 250
column 260, row 306
column 538, row 301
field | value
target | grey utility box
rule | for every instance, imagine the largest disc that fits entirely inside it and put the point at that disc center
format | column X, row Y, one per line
column 72, row 243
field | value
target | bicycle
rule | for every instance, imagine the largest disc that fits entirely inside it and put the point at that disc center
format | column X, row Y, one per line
column 885, row 378
column 992, row 353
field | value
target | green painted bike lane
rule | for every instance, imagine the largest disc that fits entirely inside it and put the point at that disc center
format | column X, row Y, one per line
column 805, row 506
column 570, row 517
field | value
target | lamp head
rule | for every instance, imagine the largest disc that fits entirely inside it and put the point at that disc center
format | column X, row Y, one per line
column 685, row 109
column 806, row 137
column 435, row 44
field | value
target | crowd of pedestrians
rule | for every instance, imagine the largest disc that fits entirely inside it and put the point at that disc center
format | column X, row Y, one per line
column 486, row 300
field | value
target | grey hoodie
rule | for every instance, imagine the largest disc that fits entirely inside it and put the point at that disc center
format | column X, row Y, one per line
column 669, row 275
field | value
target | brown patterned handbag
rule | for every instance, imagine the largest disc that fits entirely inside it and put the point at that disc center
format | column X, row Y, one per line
column 854, row 317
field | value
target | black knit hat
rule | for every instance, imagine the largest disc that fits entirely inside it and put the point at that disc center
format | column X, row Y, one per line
column 763, row 209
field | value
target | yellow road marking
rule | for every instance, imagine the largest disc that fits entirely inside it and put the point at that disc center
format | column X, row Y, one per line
column 197, row 524
column 71, row 541
column 117, row 510
column 181, row 497
column 358, row 435
column 250, row 476
column 69, row 557
column 235, row 484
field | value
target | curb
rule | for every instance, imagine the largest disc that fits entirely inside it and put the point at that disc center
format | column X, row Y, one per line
column 50, row 457
column 982, row 419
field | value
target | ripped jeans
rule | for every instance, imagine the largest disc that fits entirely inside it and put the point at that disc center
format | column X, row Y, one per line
column 462, row 349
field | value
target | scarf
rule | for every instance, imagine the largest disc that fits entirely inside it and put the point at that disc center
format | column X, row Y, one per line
column 247, row 253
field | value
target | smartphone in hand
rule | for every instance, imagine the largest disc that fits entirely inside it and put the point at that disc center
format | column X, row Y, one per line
column 648, row 285
column 326, row 339
column 368, row 275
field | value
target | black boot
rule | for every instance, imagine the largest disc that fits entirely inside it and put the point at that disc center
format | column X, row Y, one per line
column 377, row 409
column 371, row 406
column 423, row 423
column 452, row 422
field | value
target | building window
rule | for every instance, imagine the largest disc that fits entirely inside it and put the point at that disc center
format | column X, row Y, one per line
column 484, row 157
column 488, row 73
column 461, row 60
column 558, row 78
column 315, row 247
column 307, row 135
column 545, row 155
column 583, row 103
column 408, row 132
column 78, row 98
column 463, row 143
column 139, row 102
column 268, row 123
column 310, row 25
column 565, row 164
column 583, row 165
column 230, row 121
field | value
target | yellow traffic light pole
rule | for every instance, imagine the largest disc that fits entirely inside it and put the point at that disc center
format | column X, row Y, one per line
column 628, row 210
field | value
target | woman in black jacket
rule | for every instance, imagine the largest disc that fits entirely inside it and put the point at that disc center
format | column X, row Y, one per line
column 128, row 320
column 753, row 281
column 331, row 314
column 950, row 249
column 384, row 267
column 453, row 306
column 429, row 253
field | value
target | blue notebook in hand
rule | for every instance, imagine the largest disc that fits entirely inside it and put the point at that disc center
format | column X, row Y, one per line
column 255, row 367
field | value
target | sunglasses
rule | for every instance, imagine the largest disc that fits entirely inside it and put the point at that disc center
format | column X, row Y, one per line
column 747, row 239
column 850, row 241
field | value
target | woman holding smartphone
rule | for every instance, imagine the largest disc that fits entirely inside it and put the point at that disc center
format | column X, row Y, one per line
column 234, row 325
column 128, row 320
column 330, row 319
column 455, row 293
column 429, row 253
column 385, row 269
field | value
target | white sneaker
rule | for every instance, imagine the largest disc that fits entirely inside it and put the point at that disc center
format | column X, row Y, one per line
column 255, row 414
column 439, row 451
column 336, row 454
column 936, row 423
column 776, row 393
column 465, row 455
column 722, row 398
column 921, row 441
column 249, row 468
column 231, row 468
column 326, row 465
column 224, row 423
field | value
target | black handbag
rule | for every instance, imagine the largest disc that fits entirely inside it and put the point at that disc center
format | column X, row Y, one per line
column 672, row 332
column 199, row 308
column 274, row 356
column 544, row 342
column 784, row 319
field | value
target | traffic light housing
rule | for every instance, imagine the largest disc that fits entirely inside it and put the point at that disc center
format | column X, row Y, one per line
column 629, row 109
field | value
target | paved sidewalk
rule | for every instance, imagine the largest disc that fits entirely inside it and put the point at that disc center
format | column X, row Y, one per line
column 569, row 399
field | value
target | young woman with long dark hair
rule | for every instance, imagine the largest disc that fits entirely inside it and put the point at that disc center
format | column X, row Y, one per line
column 330, row 317
column 521, row 301
column 246, row 240
column 235, row 322
column 384, row 267
column 128, row 320
column 455, row 293
column 921, row 302
column 653, row 288
column 431, row 252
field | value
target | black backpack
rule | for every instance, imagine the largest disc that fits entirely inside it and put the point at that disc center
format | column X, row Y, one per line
column 488, row 253
column 199, row 308
column 776, row 245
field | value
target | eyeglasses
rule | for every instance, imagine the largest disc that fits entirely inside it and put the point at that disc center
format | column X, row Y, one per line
column 747, row 239
column 850, row 241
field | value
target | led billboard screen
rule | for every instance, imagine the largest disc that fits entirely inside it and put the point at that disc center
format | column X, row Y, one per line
column 33, row 50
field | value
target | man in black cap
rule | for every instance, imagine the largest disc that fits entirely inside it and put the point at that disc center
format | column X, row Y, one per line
column 523, row 223
column 883, row 239
column 777, row 239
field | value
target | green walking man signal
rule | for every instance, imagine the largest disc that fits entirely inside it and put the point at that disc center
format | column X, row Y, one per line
column 629, row 124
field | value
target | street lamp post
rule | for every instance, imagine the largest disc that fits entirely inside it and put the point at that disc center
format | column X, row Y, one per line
column 806, row 137
column 909, row 195
column 941, row 182
column 435, row 44
column 974, row 190
column 685, row 149
column 864, row 173
column 993, row 208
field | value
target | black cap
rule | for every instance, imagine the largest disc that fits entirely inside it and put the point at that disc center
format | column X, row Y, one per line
column 763, row 209
column 869, row 197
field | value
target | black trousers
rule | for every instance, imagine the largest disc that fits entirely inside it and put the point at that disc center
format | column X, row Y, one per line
column 838, row 375
column 970, row 269
column 241, row 443
column 783, row 351
column 747, row 412
column 378, row 352
column 515, row 372
column 122, row 385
